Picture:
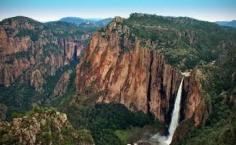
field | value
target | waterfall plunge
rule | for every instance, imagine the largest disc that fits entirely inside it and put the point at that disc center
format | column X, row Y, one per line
column 166, row 140
column 175, row 114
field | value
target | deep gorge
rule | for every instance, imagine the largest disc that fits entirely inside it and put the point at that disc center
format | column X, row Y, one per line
column 116, row 83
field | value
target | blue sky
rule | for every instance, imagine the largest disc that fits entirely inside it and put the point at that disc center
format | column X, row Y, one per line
column 47, row 10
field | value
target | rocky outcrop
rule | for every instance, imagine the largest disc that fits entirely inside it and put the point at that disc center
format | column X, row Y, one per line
column 11, row 69
column 54, row 61
column 62, row 85
column 130, row 71
column 72, row 48
column 44, row 126
column 36, row 80
column 9, row 45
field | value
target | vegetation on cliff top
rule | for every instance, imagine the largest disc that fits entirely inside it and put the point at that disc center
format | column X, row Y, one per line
column 23, row 26
column 185, row 42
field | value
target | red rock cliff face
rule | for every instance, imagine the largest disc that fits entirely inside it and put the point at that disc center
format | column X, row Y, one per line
column 194, row 104
column 12, row 66
column 164, row 84
column 20, row 54
column 138, row 77
column 9, row 45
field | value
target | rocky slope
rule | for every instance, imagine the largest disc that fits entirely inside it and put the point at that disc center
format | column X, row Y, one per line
column 42, row 126
column 117, row 64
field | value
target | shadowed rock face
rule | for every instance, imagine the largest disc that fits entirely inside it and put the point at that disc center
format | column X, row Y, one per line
column 137, row 76
column 61, row 85
column 194, row 104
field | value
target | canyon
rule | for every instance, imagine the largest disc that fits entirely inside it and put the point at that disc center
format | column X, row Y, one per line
column 118, row 83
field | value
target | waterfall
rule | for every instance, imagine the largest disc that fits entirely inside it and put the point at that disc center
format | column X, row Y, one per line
column 175, row 114
column 166, row 140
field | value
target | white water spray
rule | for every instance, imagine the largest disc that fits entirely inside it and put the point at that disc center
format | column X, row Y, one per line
column 166, row 140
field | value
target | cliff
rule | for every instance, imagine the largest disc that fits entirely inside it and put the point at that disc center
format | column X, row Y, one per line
column 128, row 70
column 28, row 46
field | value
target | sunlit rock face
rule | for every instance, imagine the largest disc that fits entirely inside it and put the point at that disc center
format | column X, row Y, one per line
column 117, row 64
column 36, row 80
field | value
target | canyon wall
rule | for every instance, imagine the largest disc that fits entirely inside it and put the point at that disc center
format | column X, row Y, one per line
column 117, row 64
column 29, row 50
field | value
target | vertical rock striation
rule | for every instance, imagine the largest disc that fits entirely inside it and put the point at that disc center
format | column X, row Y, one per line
column 129, row 73
column 194, row 104
column 32, row 49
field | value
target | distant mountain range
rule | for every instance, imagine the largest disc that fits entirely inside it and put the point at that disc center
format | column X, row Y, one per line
column 97, row 22
column 89, row 22
column 227, row 23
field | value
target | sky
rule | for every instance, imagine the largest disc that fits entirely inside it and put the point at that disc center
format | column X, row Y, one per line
column 49, row 10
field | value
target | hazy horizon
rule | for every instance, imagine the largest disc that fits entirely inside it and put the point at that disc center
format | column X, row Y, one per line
column 207, row 10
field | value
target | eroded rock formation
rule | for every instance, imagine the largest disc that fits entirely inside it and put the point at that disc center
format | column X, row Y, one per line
column 62, row 85
column 36, row 80
column 136, row 75
column 27, row 46
column 11, row 45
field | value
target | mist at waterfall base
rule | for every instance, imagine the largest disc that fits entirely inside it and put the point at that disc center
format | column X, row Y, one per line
column 166, row 140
